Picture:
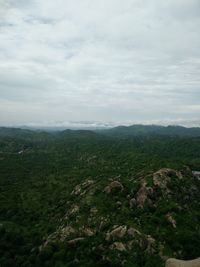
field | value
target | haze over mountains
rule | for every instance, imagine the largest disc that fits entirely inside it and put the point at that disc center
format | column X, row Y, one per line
column 119, row 131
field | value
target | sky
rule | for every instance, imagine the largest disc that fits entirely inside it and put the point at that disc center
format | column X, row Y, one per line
column 99, row 62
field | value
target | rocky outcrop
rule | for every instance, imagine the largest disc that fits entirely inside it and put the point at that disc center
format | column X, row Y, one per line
column 82, row 188
column 162, row 177
column 118, row 232
column 113, row 186
column 118, row 246
column 142, row 195
column 61, row 234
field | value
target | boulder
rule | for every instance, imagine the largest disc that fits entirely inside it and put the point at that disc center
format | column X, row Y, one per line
column 115, row 185
column 118, row 232
column 88, row 232
column 170, row 219
column 65, row 232
column 82, row 188
column 150, row 245
column 118, row 246
column 142, row 194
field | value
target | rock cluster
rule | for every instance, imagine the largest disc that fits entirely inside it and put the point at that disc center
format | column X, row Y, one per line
column 82, row 188
column 162, row 177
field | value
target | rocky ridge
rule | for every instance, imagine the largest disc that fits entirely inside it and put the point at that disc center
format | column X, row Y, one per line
column 126, row 217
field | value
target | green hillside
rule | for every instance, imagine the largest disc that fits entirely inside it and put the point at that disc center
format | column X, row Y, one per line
column 146, row 130
column 82, row 198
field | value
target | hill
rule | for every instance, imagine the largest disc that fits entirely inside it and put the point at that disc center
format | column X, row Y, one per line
column 79, row 198
column 145, row 130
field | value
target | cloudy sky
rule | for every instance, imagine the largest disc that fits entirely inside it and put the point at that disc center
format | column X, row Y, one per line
column 104, row 61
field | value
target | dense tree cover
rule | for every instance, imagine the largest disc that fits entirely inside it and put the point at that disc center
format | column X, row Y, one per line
column 39, row 172
column 151, row 130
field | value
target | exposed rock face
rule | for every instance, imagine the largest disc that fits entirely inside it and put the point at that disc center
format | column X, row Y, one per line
column 81, row 189
column 171, row 220
column 62, row 233
column 118, row 232
column 142, row 195
column 118, row 246
column 163, row 176
column 115, row 185
column 121, row 237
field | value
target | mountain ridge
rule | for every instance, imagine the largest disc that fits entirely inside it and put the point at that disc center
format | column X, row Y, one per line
column 118, row 131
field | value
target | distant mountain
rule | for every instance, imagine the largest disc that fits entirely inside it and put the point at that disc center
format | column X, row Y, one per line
column 119, row 131
column 34, row 133
column 14, row 132
column 149, row 130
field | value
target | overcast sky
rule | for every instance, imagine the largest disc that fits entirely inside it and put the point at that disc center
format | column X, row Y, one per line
column 99, row 60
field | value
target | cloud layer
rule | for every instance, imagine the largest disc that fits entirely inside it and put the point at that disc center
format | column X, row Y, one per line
column 91, row 60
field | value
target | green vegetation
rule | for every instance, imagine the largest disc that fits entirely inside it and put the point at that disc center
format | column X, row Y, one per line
column 80, row 198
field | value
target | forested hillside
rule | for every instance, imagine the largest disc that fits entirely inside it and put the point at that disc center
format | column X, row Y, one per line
column 83, row 198
column 153, row 130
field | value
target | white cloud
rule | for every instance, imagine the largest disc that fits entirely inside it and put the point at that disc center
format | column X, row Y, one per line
column 96, row 60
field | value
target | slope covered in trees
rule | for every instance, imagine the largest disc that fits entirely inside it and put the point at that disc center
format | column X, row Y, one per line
column 79, row 198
